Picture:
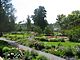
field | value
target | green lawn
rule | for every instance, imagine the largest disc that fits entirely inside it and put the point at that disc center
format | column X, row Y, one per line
column 66, row 44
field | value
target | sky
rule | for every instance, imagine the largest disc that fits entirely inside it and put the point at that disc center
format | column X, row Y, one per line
column 53, row 8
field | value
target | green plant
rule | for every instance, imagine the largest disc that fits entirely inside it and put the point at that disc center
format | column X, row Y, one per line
column 6, row 49
column 73, row 34
column 32, row 55
column 78, row 51
column 43, row 38
column 40, row 57
column 37, row 45
column 69, row 52
column 59, row 53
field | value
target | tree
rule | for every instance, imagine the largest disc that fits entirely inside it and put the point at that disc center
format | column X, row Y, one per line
column 39, row 17
column 28, row 24
column 70, row 25
column 60, row 20
column 7, row 18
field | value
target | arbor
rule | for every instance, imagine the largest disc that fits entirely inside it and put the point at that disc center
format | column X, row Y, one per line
column 28, row 23
column 39, row 17
column 7, row 18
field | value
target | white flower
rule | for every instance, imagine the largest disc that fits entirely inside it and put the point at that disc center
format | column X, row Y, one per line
column 12, row 53
column 8, row 54
column 1, row 58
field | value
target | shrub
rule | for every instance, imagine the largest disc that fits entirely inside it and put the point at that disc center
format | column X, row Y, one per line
column 48, row 31
column 61, row 40
column 59, row 53
column 73, row 34
column 40, row 57
column 36, row 44
column 32, row 55
column 6, row 49
column 69, row 52
column 11, row 53
column 78, row 51
column 27, row 55
column 37, row 29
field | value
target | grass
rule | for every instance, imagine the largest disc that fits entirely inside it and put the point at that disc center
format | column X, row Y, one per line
column 65, row 44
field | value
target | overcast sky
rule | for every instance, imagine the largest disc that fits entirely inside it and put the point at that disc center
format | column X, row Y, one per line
column 53, row 7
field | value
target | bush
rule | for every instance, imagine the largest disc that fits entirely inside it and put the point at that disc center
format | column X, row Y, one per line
column 37, row 29
column 74, row 34
column 59, row 53
column 78, row 51
column 11, row 53
column 61, row 39
column 69, row 52
column 32, row 55
column 6, row 49
column 36, row 44
column 48, row 31
column 40, row 57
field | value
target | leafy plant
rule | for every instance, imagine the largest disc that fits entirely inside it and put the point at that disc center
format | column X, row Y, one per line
column 40, row 57
column 69, row 52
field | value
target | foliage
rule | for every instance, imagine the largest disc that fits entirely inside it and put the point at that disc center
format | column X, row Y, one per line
column 70, row 25
column 40, row 57
column 59, row 53
column 37, row 29
column 65, row 44
column 7, row 18
column 37, row 45
column 74, row 34
column 69, row 52
column 33, row 56
column 28, row 24
column 61, row 49
column 48, row 31
column 6, row 49
column 78, row 51
column 39, row 17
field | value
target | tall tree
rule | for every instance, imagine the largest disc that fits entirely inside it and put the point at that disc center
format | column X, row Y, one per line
column 28, row 23
column 39, row 17
column 7, row 18
column 60, row 20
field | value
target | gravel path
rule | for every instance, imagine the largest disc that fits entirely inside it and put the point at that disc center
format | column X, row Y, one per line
column 48, row 55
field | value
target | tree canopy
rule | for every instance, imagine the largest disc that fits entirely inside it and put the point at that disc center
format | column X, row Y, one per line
column 39, row 17
column 7, row 18
column 70, row 25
